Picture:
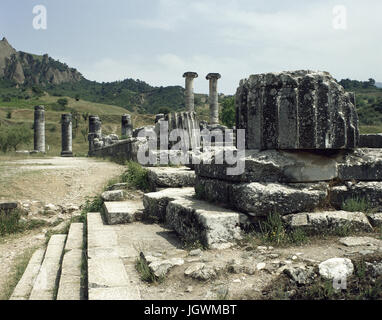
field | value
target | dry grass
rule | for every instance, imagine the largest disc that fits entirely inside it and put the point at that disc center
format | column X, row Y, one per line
column 17, row 272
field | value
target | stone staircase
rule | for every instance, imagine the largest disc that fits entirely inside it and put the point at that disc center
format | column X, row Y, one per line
column 54, row 273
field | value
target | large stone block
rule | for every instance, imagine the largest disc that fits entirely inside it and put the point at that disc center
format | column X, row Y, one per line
column 261, row 199
column 155, row 203
column 196, row 220
column 271, row 166
column 327, row 221
column 370, row 141
column 371, row 192
column 296, row 110
column 118, row 212
column 362, row 165
column 171, row 177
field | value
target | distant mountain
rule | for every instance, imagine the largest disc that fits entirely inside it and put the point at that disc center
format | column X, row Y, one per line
column 378, row 84
column 25, row 70
column 28, row 69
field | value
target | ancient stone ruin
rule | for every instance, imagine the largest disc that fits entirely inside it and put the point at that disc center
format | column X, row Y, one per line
column 66, row 133
column 296, row 110
column 301, row 159
column 39, row 129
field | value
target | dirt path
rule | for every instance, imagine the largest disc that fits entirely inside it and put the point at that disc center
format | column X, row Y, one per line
column 59, row 181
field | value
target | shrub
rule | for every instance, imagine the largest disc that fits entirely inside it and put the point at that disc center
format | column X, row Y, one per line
column 12, row 137
column 356, row 205
column 136, row 176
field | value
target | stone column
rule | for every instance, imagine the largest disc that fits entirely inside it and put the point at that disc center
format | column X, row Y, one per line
column 190, row 76
column 95, row 131
column 127, row 126
column 214, row 104
column 66, row 135
column 158, row 117
column 39, row 129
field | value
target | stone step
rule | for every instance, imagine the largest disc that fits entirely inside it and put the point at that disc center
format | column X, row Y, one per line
column 327, row 221
column 155, row 203
column 171, row 177
column 197, row 220
column 119, row 212
column 107, row 276
column 48, row 276
column 25, row 285
column 70, row 280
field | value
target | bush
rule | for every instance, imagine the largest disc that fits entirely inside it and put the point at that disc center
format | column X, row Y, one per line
column 228, row 114
column 10, row 223
column 63, row 102
column 12, row 137
column 136, row 176
column 356, row 205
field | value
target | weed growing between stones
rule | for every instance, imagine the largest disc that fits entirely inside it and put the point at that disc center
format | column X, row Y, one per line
column 10, row 223
column 273, row 231
column 145, row 272
column 192, row 245
column 356, row 205
column 136, row 176
column 362, row 285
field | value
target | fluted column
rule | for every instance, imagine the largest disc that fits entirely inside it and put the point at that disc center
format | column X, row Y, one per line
column 190, row 76
column 39, row 129
column 214, row 102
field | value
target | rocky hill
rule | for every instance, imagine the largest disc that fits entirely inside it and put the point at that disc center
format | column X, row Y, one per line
column 28, row 69
column 20, row 71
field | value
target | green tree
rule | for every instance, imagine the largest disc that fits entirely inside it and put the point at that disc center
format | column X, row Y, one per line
column 63, row 102
column 164, row 110
column 228, row 114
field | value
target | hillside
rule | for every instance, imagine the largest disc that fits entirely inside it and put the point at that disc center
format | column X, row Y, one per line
column 20, row 72
column 368, row 103
column 27, row 69
column 20, row 112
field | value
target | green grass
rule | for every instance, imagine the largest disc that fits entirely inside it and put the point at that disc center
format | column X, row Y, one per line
column 360, row 286
column 356, row 205
column 145, row 272
column 136, row 176
column 272, row 231
column 23, row 113
column 21, row 263
column 10, row 223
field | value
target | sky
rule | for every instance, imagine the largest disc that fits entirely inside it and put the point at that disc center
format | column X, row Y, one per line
column 158, row 40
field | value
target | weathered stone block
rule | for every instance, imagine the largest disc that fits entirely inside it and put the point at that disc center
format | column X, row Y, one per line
column 361, row 164
column 272, row 166
column 196, row 220
column 122, row 211
column 327, row 221
column 371, row 192
column 114, row 195
column 370, row 141
column 155, row 203
column 261, row 199
column 296, row 110
column 171, row 177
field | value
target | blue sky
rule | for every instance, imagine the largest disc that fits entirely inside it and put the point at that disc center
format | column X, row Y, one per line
column 157, row 40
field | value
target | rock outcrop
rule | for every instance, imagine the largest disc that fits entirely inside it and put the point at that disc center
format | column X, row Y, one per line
column 24, row 68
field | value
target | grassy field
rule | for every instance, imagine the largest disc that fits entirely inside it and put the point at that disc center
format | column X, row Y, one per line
column 21, row 111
